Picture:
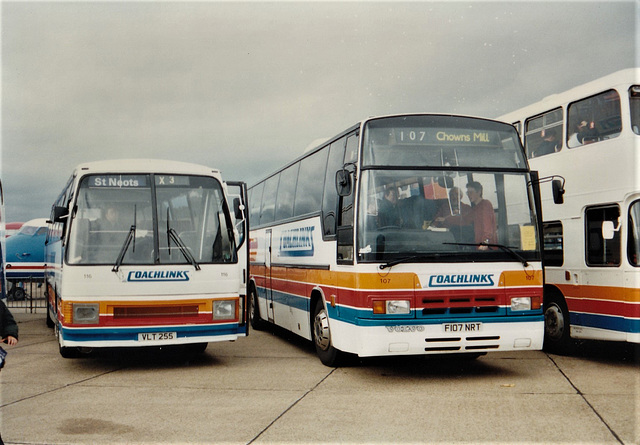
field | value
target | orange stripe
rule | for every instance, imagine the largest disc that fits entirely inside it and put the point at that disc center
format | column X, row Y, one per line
column 404, row 280
column 601, row 292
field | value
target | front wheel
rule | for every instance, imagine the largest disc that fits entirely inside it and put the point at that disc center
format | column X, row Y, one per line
column 557, row 328
column 254, row 312
column 328, row 355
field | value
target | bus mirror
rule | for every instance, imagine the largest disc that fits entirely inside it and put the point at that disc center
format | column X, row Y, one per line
column 343, row 182
column 609, row 230
column 238, row 209
column 558, row 191
column 60, row 214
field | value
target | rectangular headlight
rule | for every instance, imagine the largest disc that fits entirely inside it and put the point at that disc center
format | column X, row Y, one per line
column 224, row 309
column 398, row 307
column 521, row 304
column 86, row 313
column 392, row 307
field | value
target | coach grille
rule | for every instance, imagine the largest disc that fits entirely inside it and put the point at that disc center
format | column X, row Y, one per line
column 177, row 311
column 439, row 306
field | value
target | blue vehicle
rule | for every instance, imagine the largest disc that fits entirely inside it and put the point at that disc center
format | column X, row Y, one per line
column 24, row 257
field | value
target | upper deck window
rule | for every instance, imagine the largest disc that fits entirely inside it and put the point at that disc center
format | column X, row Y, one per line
column 594, row 119
column 543, row 134
column 441, row 141
column 634, row 104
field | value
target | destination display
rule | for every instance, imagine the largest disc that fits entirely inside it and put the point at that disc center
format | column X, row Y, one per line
column 443, row 136
column 118, row 181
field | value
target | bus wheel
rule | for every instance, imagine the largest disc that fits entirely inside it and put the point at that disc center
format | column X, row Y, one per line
column 17, row 294
column 50, row 322
column 328, row 355
column 557, row 338
column 254, row 311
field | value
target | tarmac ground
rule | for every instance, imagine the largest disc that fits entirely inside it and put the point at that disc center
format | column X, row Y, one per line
column 271, row 388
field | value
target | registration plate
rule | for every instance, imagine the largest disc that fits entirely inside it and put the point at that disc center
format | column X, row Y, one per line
column 473, row 326
column 156, row 336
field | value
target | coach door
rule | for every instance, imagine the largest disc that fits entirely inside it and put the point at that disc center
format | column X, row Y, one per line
column 269, row 283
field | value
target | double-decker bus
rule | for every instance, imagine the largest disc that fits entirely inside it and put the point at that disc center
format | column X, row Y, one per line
column 589, row 135
column 368, row 246
column 146, row 253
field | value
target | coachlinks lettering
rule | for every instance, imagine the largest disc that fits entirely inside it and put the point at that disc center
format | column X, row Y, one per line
column 158, row 275
column 456, row 280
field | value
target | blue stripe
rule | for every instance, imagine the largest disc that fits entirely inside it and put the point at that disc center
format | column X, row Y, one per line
column 125, row 334
column 365, row 317
column 608, row 322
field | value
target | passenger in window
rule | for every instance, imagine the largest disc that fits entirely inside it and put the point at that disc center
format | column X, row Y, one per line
column 550, row 143
column 584, row 133
column 388, row 211
column 481, row 216
column 454, row 206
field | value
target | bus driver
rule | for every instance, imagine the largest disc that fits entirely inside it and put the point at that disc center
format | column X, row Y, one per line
column 481, row 216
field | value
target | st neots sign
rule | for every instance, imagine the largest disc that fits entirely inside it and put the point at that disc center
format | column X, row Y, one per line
column 462, row 280
column 158, row 275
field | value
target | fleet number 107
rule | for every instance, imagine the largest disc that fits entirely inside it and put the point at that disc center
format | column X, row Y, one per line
column 412, row 136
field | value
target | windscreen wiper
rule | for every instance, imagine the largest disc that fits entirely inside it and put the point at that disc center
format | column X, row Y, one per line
column 173, row 235
column 398, row 261
column 131, row 236
column 507, row 249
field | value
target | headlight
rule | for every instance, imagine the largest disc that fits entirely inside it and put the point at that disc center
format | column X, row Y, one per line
column 224, row 309
column 86, row 313
column 521, row 304
column 392, row 307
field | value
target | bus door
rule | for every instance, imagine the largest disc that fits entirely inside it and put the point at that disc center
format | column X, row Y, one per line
column 237, row 192
column 268, row 284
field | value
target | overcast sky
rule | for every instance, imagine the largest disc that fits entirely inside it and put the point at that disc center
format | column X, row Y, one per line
column 246, row 87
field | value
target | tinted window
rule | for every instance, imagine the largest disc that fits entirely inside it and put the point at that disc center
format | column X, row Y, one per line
column 634, row 103
column 267, row 210
column 600, row 250
column 594, row 119
column 255, row 200
column 553, row 243
column 311, row 182
column 633, row 248
column 286, row 192
column 330, row 197
column 543, row 134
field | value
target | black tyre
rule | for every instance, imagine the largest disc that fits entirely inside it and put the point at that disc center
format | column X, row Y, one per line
column 557, row 327
column 254, row 312
column 50, row 322
column 321, row 333
column 17, row 294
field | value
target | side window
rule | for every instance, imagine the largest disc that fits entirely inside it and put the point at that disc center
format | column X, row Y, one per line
column 543, row 134
column 255, row 200
column 267, row 211
column 286, row 192
column 633, row 240
column 350, row 155
column 634, row 104
column 310, row 183
column 330, row 196
column 594, row 119
column 553, row 243
column 602, row 250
